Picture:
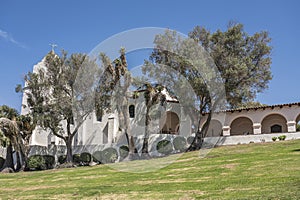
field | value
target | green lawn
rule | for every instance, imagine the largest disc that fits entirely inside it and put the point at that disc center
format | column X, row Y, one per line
column 254, row 171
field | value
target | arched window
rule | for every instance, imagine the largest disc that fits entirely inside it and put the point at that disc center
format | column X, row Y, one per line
column 99, row 115
column 276, row 129
column 274, row 123
column 131, row 111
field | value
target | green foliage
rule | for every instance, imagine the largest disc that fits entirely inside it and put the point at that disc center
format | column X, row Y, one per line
column 97, row 155
column 243, row 60
column 7, row 112
column 2, row 160
column 85, row 157
column 298, row 127
column 36, row 162
column 109, row 155
column 164, row 147
column 124, row 151
column 235, row 66
column 50, row 93
column 282, row 137
column 76, row 158
column 190, row 139
column 274, row 138
column 179, row 143
column 49, row 161
column 62, row 159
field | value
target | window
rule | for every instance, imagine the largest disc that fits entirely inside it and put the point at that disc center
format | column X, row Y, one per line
column 131, row 111
column 276, row 129
column 99, row 115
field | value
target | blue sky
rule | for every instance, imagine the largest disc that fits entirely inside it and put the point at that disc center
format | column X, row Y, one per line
column 27, row 28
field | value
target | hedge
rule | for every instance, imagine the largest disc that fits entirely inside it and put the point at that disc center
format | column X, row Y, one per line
column 164, row 147
column 179, row 144
column 190, row 139
column 124, row 151
column 36, row 162
column 85, row 157
column 2, row 161
column 109, row 155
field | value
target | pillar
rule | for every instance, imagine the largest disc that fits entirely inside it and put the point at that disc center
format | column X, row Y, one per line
column 256, row 128
column 291, row 126
column 111, row 128
column 226, row 130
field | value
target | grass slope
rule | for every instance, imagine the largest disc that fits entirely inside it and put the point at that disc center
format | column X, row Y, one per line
column 254, row 171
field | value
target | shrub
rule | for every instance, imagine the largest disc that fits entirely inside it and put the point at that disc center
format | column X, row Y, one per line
column 49, row 161
column 85, row 157
column 76, row 158
column 164, row 147
column 97, row 156
column 124, row 151
column 282, row 137
column 274, row 138
column 62, row 159
column 179, row 144
column 2, row 161
column 109, row 155
column 190, row 139
column 36, row 162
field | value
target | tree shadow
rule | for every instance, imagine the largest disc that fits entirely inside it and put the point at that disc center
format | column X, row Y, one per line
column 296, row 150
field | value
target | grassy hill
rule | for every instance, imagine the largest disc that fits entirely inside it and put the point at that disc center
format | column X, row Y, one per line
column 254, row 171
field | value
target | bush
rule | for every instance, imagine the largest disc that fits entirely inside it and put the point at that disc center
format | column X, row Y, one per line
column 164, row 147
column 274, row 138
column 36, row 162
column 282, row 137
column 124, row 151
column 179, row 144
column 2, row 161
column 49, row 161
column 62, row 159
column 97, row 156
column 76, row 158
column 109, row 155
column 190, row 139
column 85, row 157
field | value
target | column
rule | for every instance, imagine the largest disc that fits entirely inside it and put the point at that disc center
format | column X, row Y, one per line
column 226, row 130
column 111, row 128
column 291, row 126
column 256, row 128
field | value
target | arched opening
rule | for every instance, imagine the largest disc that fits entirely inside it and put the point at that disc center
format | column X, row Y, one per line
column 171, row 125
column 274, row 123
column 214, row 129
column 276, row 129
column 298, row 123
column 131, row 111
column 241, row 126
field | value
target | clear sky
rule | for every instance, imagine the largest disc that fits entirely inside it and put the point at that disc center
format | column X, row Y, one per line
column 27, row 28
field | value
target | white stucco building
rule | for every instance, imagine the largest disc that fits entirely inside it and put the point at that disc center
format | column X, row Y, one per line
column 246, row 124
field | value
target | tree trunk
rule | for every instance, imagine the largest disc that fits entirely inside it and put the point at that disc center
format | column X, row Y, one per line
column 145, row 153
column 19, row 161
column 9, row 161
column 68, row 141
column 200, row 135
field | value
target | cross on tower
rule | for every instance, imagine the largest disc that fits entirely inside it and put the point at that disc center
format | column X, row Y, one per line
column 53, row 46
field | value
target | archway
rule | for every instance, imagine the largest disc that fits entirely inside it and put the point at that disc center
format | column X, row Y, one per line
column 214, row 129
column 171, row 125
column 241, row 126
column 274, row 123
column 131, row 110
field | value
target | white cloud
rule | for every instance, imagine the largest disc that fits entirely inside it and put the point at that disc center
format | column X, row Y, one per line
column 9, row 38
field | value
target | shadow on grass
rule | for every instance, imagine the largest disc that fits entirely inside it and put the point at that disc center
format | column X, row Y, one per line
column 296, row 150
